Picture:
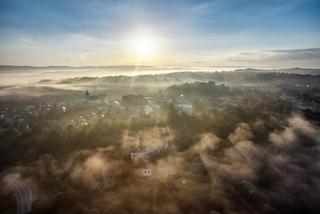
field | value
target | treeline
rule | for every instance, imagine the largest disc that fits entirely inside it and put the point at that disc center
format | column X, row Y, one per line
column 235, row 78
column 40, row 140
column 199, row 89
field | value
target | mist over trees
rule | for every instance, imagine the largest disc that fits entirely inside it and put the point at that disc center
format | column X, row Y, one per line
column 237, row 150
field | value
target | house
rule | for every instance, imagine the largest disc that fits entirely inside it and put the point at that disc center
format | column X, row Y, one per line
column 183, row 107
column 146, row 172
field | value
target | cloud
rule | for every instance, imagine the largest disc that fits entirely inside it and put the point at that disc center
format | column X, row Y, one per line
column 242, row 133
column 279, row 179
column 207, row 142
column 286, row 57
column 296, row 54
column 297, row 126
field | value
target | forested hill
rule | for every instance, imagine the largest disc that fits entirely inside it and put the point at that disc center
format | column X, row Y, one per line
column 240, row 77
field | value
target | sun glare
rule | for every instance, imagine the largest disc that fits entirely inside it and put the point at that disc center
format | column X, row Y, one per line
column 144, row 46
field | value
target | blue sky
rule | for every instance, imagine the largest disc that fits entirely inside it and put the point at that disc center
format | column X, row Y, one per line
column 261, row 33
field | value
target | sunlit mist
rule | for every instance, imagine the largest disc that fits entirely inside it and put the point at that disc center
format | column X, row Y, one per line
column 171, row 107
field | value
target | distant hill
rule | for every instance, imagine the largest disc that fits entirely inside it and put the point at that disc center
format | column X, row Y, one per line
column 310, row 71
column 128, row 67
column 242, row 77
column 5, row 68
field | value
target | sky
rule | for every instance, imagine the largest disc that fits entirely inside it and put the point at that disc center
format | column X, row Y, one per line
column 260, row 33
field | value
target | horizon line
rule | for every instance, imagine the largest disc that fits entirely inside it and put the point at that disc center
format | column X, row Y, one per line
column 153, row 66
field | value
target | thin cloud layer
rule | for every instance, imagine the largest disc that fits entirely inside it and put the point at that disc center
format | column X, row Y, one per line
column 283, row 58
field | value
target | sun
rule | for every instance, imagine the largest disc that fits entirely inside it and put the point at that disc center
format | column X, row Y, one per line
column 144, row 46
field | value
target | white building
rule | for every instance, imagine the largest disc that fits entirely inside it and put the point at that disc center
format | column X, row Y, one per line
column 183, row 107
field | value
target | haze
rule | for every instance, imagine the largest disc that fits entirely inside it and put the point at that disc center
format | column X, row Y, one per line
column 159, row 107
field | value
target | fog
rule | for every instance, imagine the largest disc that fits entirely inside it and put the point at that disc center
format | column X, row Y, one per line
column 12, row 75
column 181, row 142
column 34, row 75
column 212, row 176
